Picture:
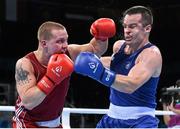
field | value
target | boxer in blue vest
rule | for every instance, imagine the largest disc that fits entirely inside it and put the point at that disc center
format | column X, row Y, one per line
column 132, row 73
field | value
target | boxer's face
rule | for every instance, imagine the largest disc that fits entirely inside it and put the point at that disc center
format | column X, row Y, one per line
column 59, row 42
column 134, row 32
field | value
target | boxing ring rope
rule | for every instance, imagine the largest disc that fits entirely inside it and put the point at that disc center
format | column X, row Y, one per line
column 67, row 111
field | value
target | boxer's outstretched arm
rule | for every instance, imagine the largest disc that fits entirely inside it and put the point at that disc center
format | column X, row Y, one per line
column 148, row 64
column 101, row 29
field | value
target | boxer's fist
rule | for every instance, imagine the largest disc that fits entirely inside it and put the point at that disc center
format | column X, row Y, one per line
column 59, row 67
column 103, row 28
column 88, row 64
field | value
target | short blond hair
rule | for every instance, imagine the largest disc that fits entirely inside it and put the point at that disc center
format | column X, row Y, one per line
column 44, row 31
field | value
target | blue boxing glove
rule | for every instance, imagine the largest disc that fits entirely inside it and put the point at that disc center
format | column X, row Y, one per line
column 88, row 64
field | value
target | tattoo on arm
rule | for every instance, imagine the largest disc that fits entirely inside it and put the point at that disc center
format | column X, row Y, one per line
column 21, row 76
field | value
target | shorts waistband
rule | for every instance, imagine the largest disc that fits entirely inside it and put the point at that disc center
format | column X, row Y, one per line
column 51, row 123
column 130, row 112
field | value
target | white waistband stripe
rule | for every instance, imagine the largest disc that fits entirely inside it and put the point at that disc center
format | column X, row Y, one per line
column 121, row 112
column 50, row 123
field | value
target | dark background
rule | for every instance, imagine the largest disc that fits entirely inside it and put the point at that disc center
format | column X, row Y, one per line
column 18, row 37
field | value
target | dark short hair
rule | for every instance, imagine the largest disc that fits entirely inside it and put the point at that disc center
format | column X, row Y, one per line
column 147, row 16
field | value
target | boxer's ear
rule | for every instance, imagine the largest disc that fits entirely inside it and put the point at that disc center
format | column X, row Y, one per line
column 43, row 43
column 148, row 28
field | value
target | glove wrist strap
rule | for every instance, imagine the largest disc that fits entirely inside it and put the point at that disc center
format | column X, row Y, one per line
column 45, row 85
column 108, row 77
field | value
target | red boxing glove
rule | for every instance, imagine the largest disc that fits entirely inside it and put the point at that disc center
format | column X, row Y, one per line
column 59, row 67
column 103, row 28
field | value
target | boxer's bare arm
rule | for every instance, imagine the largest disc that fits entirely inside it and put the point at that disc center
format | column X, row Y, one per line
column 148, row 64
column 29, row 93
column 96, row 46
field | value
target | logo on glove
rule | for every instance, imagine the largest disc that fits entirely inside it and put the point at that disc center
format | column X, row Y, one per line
column 93, row 66
column 57, row 70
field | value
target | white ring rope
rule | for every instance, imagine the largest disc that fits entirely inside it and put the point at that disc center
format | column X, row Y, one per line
column 67, row 111
column 7, row 108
